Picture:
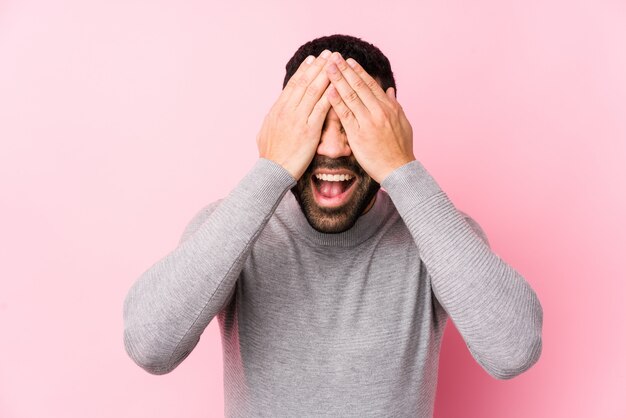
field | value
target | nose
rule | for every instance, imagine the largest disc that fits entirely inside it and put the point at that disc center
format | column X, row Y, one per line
column 333, row 142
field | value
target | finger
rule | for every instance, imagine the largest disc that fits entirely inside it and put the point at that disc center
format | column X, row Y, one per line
column 319, row 111
column 362, row 87
column 346, row 116
column 302, row 83
column 349, row 96
column 393, row 100
column 306, row 63
column 313, row 92
column 370, row 81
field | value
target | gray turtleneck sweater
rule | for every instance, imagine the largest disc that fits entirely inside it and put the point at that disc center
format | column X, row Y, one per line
column 337, row 325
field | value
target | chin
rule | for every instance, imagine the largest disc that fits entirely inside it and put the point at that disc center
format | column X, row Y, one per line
column 331, row 226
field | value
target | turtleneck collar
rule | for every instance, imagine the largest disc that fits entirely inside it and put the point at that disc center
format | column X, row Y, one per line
column 365, row 226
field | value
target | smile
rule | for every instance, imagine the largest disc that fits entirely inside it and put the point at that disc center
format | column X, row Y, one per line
column 332, row 190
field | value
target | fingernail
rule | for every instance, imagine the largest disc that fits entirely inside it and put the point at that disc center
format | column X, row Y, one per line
column 336, row 56
column 309, row 59
column 325, row 53
column 351, row 62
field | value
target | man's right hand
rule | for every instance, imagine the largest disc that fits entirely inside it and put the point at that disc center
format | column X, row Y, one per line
column 292, row 129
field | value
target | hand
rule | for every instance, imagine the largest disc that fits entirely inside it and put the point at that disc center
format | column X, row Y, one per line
column 291, row 131
column 379, row 134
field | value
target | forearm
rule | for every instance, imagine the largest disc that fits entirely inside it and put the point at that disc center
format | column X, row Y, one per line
column 495, row 310
column 169, row 306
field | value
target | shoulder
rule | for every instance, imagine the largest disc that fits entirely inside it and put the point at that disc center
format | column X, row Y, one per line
column 475, row 226
column 198, row 219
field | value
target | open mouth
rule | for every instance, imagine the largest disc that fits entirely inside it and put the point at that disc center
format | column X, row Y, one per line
column 333, row 191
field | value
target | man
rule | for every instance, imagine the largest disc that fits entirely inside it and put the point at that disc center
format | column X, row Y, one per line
column 332, row 299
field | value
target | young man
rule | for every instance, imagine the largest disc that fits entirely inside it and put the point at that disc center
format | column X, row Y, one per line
column 332, row 299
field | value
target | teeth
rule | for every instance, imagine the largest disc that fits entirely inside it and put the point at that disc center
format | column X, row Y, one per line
column 333, row 177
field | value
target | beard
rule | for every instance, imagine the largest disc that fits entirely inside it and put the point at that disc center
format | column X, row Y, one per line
column 336, row 219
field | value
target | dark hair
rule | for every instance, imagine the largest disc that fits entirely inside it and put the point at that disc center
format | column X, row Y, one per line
column 369, row 56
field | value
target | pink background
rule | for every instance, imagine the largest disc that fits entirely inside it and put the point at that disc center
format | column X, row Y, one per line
column 120, row 119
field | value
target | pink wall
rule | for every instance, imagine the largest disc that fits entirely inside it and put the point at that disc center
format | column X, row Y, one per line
column 120, row 119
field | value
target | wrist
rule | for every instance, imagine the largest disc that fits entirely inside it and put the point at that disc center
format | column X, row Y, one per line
column 280, row 166
column 398, row 164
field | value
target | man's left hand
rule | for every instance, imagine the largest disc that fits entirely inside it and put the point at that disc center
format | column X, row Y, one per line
column 379, row 134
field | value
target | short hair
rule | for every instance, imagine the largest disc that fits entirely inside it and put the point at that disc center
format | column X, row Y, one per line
column 369, row 56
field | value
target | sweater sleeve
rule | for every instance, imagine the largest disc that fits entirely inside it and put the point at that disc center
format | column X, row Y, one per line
column 170, row 304
column 493, row 307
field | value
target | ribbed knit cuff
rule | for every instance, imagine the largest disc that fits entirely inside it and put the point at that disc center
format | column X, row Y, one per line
column 265, row 184
column 410, row 184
